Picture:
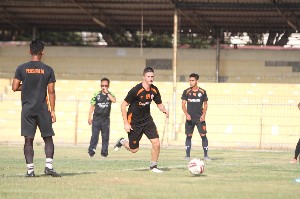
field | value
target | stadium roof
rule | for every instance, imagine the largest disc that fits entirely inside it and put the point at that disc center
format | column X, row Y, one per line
column 197, row 16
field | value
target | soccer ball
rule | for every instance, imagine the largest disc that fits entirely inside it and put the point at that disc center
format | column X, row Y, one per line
column 196, row 166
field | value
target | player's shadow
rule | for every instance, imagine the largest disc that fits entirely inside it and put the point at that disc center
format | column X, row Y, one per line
column 163, row 169
column 217, row 158
column 75, row 174
column 198, row 176
column 44, row 175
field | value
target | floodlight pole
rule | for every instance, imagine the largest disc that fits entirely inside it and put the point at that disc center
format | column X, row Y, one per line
column 218, row 33
column 218, row 59
column 174, row 64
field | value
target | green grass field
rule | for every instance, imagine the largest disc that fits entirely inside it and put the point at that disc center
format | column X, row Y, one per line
column 231, row 174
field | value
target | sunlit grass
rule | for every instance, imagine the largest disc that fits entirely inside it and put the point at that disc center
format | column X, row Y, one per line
column 231, row 174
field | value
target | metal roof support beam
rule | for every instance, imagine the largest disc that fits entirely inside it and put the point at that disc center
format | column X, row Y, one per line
column 119, row 30
column 202, row 25
column 97, row 21
column 228, row 6
column 9, row 16
column 288, row 15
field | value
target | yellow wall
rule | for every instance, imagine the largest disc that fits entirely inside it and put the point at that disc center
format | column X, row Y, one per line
column 243, row 115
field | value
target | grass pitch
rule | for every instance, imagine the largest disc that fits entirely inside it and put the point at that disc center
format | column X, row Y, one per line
column 231, row 174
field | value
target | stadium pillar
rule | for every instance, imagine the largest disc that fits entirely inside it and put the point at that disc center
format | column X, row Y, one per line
column 217, row 60
column 218, row 34
column 142, row 33
column 33, row 33
column 174, row 65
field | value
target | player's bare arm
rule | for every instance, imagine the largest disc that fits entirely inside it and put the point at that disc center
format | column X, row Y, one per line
column 16, row 85
column 183, row 106
column 204, row 111
column 90, row 119
column 127, row 126
column 51, row 93
column 111, row 97
column 162, row 108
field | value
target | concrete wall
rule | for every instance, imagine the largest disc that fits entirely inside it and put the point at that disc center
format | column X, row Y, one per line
column 241, row 65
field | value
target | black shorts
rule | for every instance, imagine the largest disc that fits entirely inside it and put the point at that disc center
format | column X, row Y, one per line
column 135, row 135
column 29, row 122
column 190, row 125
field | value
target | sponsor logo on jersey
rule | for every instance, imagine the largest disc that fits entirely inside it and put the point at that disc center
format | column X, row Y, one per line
column 144, row 104
column 35, row 70
column 103, row 105
column 194, row 100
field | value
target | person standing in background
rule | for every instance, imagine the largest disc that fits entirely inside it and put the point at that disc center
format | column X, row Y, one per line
column 99, row 118
column 36, row 80
column 194, row 106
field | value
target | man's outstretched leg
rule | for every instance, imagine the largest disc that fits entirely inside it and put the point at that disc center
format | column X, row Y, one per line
column 122, row 142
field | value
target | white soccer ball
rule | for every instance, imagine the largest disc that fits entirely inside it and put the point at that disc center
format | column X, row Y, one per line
column 196, row 166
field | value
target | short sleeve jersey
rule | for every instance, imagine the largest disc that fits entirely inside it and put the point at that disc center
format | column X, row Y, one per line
column 140, row 99
column 35, row 77
column 102, row 105
column 195, row 101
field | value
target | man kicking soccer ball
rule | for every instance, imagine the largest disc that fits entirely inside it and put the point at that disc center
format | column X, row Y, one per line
column 138, row 120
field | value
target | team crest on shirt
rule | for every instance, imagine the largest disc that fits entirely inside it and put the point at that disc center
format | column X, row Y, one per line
column 152, row 96
column 199, row 94
column 98, row 97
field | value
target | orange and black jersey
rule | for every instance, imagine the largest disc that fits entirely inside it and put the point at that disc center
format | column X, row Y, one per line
column 195, row 101
column 140, row 99
column 35, row 77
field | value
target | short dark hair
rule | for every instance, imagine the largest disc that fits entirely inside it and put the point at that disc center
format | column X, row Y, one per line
column 148, row 69
column 105, row 79
column 36, row 47
column 196, row 76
